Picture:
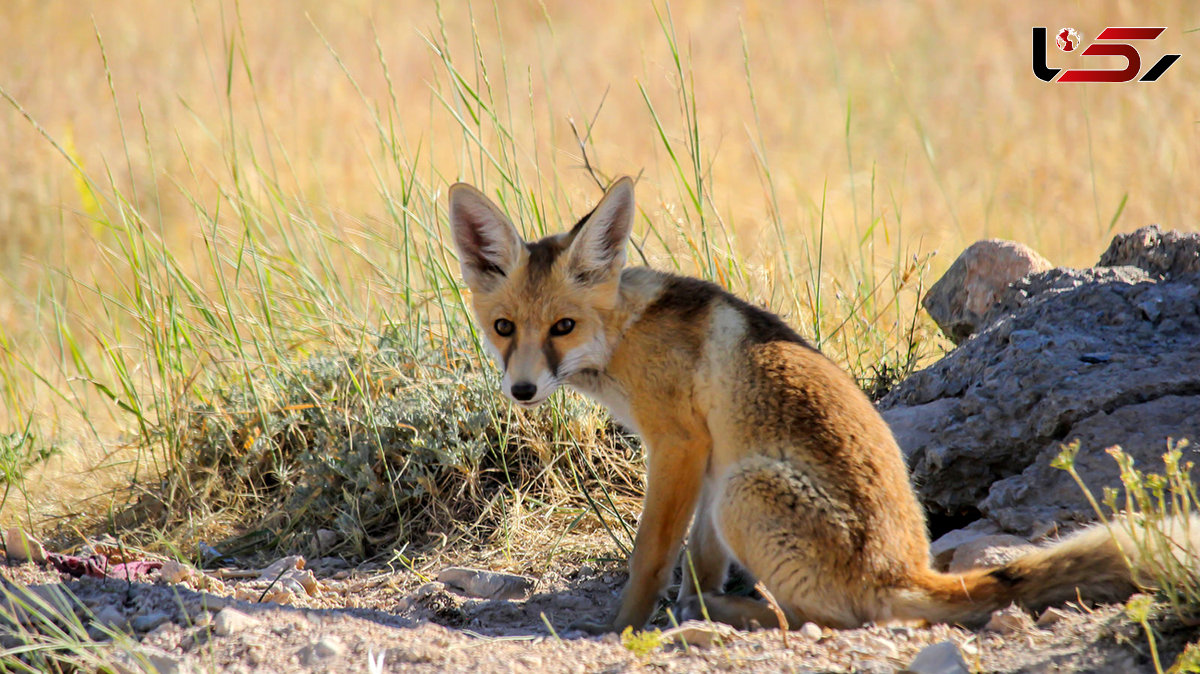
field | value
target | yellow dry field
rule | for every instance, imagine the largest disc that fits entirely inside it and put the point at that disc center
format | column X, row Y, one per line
column 896, row 128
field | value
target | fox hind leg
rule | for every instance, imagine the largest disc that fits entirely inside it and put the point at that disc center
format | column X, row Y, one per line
column 788, row 533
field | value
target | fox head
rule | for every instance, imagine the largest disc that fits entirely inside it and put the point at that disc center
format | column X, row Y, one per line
column 543, row 307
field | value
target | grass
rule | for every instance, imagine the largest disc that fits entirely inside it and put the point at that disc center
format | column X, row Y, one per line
column 1156, row 513
column 291, row 366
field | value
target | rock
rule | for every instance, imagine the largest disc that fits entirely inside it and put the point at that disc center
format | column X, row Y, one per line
column 918, row 425
column 875, row 646
column 810, row 631
column 305, row 581
column 485, row 584
column 111, row 617
column 987, row 552
column 232, row 621
column 1009, row 621
column 1051, row 616
column 1064, row 355
column 1160, row 253
column 280, row 566
column 148, row 621
column 326, row 539
column 176, row 572
column 700, row 634
column 165, row 663
column 975, row 281
column 942, row 550
column 1043, row 493
column 328, row 646
column 940, row 658
column 325, row 648
column 136, row 660
column 21, row 547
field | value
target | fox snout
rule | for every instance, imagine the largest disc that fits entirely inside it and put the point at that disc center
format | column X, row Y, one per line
column 523, row 391
column 528, row 379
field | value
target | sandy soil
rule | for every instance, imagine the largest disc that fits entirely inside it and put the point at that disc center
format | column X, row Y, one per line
column 415, row 624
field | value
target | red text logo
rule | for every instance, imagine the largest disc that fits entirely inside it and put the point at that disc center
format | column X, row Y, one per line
column 1112, row 41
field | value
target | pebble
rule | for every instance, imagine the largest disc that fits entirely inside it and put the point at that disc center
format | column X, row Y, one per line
column 700, row 634
column 940, row 658
column 21, row 547
column 810, row 631
column 485, row 584
column 329, row 646
column 232, row 621
column 111, row 616
column 1051, row 616
column 277, row 567
column 148, row 621
column 1009, row 620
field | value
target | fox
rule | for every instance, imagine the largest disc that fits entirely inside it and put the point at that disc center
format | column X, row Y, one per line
column 765, row 447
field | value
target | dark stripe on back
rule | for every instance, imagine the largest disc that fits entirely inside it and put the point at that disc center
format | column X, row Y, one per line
column 763, row 326
column 686, row 296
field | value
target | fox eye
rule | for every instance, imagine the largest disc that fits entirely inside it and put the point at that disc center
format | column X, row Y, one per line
column 504, row 327
column 562, row 327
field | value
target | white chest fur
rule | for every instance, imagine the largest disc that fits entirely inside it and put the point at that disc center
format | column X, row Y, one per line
column 609, row 393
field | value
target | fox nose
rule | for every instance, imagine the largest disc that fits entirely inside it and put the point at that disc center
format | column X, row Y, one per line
column 524, row 391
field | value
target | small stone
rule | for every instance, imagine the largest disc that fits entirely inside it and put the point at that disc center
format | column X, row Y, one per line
column 1051, row 616
column 232, row 621
column 942, row 550
column 486, row 584
column 700, row 634
column 148, row 621
column 279, row 594
column 165, row 663
column 111, row 617
column 279, row 566
column 326, row 539
column 21, row 547
column 432, row 587
column 987, row 552
column 329, row 646
column 810, row 631
column 323, row 649
column 176, row 572
column 1009, row 621
column 880, row 646
column 940, row 658
column 304, row 580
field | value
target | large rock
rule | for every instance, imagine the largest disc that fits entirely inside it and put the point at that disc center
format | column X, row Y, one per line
column 1158, row 252
column 975, row 281
column 1104, row 355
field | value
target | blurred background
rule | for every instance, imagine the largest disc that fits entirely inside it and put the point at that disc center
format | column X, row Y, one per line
column 199, row 193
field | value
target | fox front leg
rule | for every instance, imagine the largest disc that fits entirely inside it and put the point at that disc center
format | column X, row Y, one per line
column 675, row 472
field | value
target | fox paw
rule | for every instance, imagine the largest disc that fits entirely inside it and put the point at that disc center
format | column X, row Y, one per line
column 688, row 608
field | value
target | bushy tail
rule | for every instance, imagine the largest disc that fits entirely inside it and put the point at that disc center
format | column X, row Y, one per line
column 1099, row 564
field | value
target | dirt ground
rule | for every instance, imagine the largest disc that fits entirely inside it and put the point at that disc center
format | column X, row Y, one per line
column 354, row 617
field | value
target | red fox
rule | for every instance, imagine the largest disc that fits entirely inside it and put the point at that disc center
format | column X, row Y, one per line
column 770, row 450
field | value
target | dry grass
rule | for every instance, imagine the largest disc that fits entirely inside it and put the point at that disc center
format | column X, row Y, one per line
column 829, row 150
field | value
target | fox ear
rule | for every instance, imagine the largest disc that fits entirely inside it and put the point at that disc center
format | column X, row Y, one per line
column 598, row 248
column 489, row 247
